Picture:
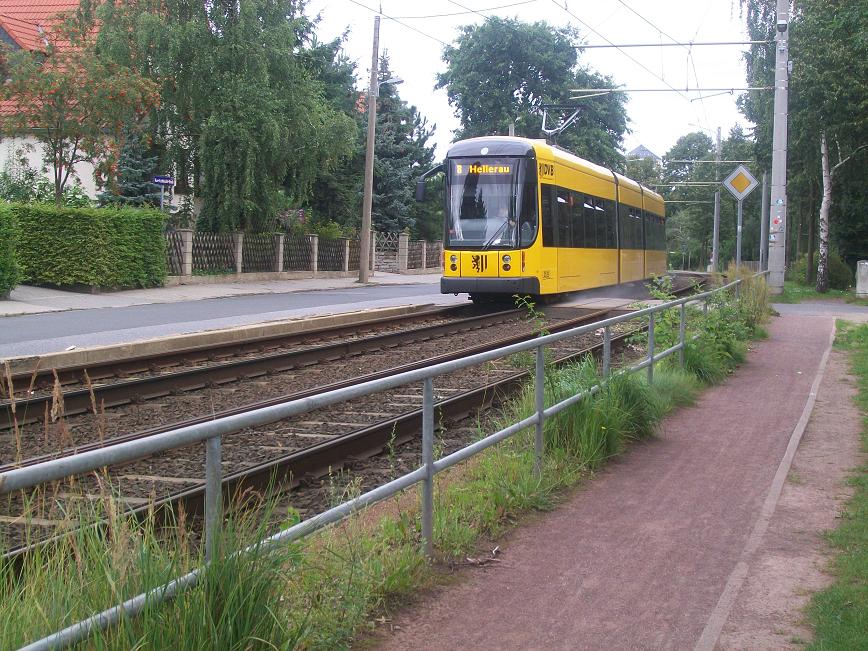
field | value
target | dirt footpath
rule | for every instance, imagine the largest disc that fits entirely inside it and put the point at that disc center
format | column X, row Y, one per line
column 682, row 543
column 790, row 563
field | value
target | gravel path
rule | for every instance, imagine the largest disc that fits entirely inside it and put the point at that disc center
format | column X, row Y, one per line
column 641, row 557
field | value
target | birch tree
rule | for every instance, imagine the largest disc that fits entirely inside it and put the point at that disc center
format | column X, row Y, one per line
column 826, row 208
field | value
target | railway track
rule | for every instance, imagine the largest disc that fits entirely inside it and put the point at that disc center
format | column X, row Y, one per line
column 286, row 460
column 45, row 378
column 31, row 408
column 310, row 446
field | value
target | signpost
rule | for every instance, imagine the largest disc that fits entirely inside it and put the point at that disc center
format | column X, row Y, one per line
column 163, row 182
column 740, row 184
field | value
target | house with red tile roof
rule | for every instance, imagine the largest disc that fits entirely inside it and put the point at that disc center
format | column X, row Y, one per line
column 27, row 25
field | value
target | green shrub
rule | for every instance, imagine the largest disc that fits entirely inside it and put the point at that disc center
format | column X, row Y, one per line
column 102, row 247
column 8, row 268
column 840, row 275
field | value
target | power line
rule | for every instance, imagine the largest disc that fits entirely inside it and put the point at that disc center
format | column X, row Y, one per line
column 418, row 31
column 668, row 185
column 675, row 44
column 606, row 91
column 468, row 11
column 716, row 162
column 674, row 40
column 634, row 60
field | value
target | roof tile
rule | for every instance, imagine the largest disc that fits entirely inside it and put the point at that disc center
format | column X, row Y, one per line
column 26, row 20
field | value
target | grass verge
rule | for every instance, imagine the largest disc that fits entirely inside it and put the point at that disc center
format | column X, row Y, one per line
column 796, row 293
column 840, row 613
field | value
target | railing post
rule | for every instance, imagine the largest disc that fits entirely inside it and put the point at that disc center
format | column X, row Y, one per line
column 278, row 251
column 403, row 251
column 705, row 306
column 372, row 258
column 651, row 348
column 424, row 255
column 346, row 265
column 213, row 495
column 428, row 463
column 682, row 327
column 737, row 286
column 540, row 389
column 607, row 351
column 314, row 253
column 238, row 239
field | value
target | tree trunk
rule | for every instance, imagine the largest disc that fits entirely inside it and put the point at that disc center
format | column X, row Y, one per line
column 825, row 210
column 809, row 269
column 799, row 236
column 58, row 185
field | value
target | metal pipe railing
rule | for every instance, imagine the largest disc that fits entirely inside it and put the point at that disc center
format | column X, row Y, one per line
column 212, row 432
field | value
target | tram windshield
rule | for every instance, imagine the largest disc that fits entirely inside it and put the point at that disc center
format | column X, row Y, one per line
column 491, row 203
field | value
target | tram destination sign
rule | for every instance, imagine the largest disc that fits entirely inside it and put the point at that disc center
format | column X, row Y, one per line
column 740, row 183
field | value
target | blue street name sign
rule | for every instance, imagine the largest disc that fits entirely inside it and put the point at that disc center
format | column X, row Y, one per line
column 164, row 180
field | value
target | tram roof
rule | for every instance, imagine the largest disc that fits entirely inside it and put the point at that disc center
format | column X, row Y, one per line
column 516, row 146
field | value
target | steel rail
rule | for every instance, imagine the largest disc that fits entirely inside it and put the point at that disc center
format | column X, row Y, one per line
column 306, row 393
column 79, row 401
column 41, row 378
column 289, row 470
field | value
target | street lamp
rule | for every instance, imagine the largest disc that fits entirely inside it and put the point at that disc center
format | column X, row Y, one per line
column 373, row 93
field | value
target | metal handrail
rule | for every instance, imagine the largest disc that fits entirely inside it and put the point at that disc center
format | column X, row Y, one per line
column 212, row 432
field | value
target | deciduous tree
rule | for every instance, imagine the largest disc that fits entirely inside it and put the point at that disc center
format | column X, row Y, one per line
column 74, row 101
column 504, row 70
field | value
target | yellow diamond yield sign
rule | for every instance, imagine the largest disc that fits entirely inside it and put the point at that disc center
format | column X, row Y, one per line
column 740, row 182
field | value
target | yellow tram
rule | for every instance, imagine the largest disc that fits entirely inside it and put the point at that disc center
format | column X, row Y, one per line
column 524, row 217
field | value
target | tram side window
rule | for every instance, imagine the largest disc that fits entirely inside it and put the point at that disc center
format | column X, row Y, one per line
column 610, row 216
column 655, row 232
column 600, row 223
column 631, row 227
column 564, row 219
column 584, row 235
column 548, row 216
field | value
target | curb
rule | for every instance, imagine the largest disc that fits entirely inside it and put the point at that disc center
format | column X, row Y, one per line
column 100, row 354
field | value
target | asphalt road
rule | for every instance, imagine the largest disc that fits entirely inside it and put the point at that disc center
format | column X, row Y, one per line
column 56, row 331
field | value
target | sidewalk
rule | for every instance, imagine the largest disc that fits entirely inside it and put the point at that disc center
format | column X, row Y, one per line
column 33, row 300
column 653, row 552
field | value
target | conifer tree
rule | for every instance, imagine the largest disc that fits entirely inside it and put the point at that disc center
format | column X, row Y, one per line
column 135, row 170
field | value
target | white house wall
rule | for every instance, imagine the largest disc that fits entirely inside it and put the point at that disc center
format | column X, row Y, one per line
column 83, row 171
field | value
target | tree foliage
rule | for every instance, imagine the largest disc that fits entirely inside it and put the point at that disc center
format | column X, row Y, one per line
column 503, row 71
column 244, row 118
column 691, row 215
column 74, row 100
column 401, row 154
column 829, row 49
column 133, row 184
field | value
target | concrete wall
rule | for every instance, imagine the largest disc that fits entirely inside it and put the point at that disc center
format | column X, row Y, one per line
column 34, row 154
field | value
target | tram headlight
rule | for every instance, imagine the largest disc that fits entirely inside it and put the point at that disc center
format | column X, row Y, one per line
column 453, row 267
column 507, row 259
column 453, row 259
column 506, row 267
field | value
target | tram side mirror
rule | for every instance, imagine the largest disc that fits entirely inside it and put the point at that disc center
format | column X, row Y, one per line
column 420, row 184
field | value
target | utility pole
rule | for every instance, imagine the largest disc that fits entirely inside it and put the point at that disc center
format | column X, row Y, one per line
column 764, row 225
column 715, row 237
column 365, row 234
column 778, row 225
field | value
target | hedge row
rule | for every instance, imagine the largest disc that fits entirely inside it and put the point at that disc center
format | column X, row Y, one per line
column 100, row 247
column 9, row 274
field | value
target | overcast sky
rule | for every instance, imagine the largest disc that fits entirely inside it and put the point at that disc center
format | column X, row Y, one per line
column 656, row 119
